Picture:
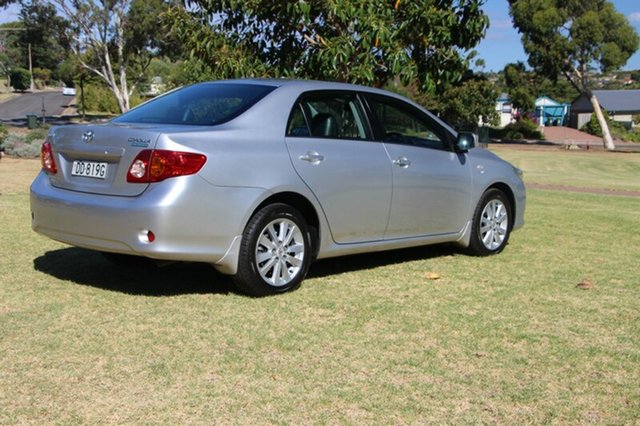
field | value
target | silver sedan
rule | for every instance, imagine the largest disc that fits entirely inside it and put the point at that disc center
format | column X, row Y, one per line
column 261, row 177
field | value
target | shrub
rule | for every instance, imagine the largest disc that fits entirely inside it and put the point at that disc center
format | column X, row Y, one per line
column 514, row 135
column 20, row 79
column 3, row 133
column 100, row 99
column 16, row 146
column 617, row 130
column 37, row 135
column 593, row 127
column 524, row 128
column 42, row 74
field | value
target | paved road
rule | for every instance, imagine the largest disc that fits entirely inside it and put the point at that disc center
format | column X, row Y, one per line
column 19, row 106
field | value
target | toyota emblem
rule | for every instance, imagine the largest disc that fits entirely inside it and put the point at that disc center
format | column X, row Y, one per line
column 88, row 136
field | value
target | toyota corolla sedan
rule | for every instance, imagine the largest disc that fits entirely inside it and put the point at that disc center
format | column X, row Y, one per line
column 261, row 177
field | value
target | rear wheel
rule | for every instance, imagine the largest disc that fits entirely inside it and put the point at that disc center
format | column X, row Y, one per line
column 492, row 224
column 275, row 251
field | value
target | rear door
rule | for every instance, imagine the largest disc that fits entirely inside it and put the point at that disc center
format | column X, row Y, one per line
column 331, row 148
column 96, row 158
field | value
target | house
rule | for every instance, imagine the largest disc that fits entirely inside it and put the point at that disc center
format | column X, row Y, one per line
column 621, row 105
column 550, row 112
column 505, row 109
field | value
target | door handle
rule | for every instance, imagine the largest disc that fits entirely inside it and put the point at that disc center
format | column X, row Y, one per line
column 403, row 162
column 312, row 157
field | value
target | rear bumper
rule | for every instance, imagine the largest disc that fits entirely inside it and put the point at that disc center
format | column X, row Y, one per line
column 191, row 219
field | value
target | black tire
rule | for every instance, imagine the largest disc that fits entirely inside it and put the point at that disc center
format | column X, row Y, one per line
column 275, row 252
column 492, row 223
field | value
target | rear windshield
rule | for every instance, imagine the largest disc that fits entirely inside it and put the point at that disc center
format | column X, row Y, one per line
column 203, row 104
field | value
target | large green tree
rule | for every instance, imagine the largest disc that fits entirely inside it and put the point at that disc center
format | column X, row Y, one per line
column 420, row 42
column 11, row 54
column 519, row 85
column 45, row 33
column 569, row 37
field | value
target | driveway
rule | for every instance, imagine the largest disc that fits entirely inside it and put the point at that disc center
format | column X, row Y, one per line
column 568, row 136
column 18, row 107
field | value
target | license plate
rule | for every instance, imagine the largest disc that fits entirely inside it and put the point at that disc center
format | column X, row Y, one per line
column 89, row 169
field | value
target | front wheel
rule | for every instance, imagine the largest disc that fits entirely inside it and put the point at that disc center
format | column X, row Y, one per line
column 492, row 224
column 275, row 251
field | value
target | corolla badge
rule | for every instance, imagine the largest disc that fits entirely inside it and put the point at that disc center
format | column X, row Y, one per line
column 139, row 142
column 88, row 136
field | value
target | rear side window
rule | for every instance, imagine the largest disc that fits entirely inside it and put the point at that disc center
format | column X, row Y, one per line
column 204, row 104
column 325, row 115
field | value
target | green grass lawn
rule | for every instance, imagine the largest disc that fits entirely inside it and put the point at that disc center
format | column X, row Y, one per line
column 590, row 169
column 368, row 339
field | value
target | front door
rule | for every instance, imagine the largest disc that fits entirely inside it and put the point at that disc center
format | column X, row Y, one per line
column 431, row 182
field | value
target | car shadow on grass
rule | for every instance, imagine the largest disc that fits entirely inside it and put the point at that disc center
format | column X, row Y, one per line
column 359, row 262
column 145, row 278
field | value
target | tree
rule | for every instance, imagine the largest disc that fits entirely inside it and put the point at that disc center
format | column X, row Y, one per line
column 45, row 32
column 465, row 104
column 115, row 40
column 520, row 87
column 11, row 54
column 568, row 37
column 20, row 79
column 419, row 42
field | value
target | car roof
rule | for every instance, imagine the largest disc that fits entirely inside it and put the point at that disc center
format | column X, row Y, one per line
column 304, row 84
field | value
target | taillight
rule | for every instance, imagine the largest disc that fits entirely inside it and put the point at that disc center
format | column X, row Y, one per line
column 46, row 157
column 154, row 165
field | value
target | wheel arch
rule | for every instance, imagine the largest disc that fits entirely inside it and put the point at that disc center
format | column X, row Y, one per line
column 465, row 238
column 506, row 190
column 304, row 206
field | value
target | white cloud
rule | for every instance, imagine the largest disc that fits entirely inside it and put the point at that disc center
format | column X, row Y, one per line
column 635, row 17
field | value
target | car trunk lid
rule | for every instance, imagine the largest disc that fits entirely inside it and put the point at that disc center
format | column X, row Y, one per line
column 96, row 158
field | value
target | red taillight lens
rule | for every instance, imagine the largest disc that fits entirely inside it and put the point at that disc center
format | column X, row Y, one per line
column 155, row 165
column 46, row 157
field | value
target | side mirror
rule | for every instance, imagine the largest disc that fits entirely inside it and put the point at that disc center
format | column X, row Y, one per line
column 466, row 141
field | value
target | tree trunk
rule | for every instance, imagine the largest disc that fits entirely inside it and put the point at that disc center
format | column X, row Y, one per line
column 606, row 135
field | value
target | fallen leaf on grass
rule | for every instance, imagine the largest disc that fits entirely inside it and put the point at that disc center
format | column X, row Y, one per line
column 586, row 284
column 432, row 276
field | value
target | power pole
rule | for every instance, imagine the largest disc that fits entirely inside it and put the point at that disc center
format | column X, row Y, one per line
column 30, row 70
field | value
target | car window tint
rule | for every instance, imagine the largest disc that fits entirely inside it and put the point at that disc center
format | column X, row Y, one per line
column 401, row 123
column 336, row 116
column 202, row 104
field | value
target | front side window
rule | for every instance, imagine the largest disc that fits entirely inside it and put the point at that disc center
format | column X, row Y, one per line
column 402, row 124
column 204, row 104
column 336, row 116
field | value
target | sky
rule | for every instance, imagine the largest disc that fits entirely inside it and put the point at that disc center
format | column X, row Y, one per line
column 502, row 43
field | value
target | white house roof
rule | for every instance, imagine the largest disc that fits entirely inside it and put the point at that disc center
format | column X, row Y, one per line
column 546, row 101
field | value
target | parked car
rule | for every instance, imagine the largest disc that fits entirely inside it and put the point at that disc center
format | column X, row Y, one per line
column 68, row 91
column 261, row 177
